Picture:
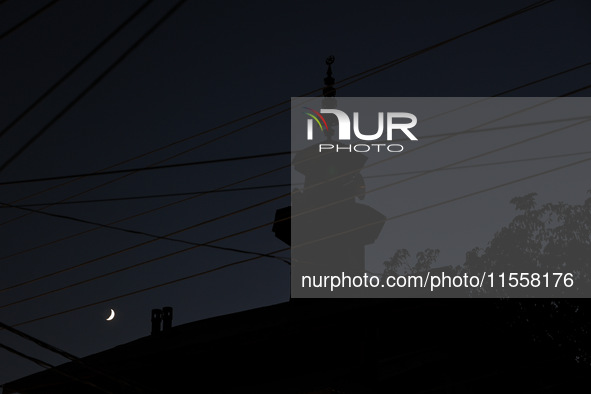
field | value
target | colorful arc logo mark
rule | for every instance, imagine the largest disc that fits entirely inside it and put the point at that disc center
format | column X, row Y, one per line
column 315, row 117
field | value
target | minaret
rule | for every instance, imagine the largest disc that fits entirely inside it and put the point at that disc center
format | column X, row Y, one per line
column 329, row 228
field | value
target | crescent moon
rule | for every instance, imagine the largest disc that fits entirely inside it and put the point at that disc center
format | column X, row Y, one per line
column 112, row 315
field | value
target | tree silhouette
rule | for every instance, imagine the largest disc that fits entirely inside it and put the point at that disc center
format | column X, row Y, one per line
column 401, row 264
column 551, row 237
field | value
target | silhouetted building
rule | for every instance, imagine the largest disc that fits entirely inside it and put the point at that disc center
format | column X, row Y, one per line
column 331, row 346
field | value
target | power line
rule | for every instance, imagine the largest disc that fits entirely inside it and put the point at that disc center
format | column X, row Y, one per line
column 150, row 168
column 153, row 210
column 285, row 249
column 27, row 19
column 579, row 90
column 281, row 185
column 149, row 288
column 167, row 237
column 526, row 140
column 142, row 263
column 69, row 73
column 480, row 130
column 144, row 212
column 235, row 158
column 276, row 105
column 449, row 165
column 439, row 168
column 423, row 146
column 529, row 139
column 568, row 70
column 487, row 129
column 157, row 150
column 146, row 242
column 436, row 141
column 414, row 211
column 192, row 276
column 157, row 238
column 93, row 84
column 129, row 174
column 137, row 157
column 392, row 63
column 151, row 196
column 52, row 368
column 481, row 165
column 154, row 238
column 453, row 135
column 395, row 183
column 229, row 133
column 183, row 200
column 464, row 196
column 64, row 354
column 148, row 196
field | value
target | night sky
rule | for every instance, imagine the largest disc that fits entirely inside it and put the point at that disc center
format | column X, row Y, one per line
column 206, row 65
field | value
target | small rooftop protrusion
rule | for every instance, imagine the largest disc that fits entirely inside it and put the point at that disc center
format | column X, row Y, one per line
column 156, row 321
column 166, row 318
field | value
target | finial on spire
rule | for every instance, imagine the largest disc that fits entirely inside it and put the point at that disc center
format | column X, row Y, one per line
column 329, row 90
column 329, row 100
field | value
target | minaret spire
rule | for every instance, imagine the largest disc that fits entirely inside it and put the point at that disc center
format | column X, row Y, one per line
column 329, row 92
